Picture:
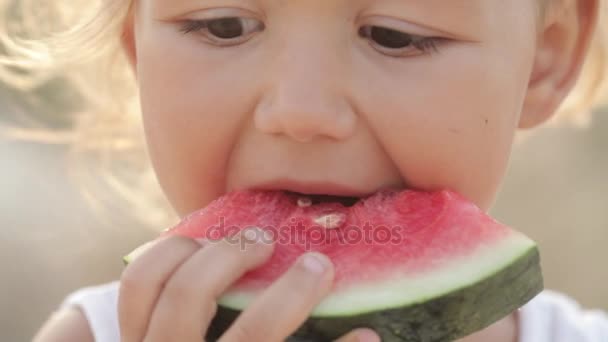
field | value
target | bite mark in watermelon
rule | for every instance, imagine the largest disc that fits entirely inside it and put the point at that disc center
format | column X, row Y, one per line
column 413, row 266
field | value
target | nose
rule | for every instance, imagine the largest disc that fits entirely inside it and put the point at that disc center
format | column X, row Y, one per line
column 305, row 99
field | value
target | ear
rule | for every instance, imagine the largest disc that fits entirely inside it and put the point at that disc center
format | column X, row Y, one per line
column 563, row 41
column 128, row 38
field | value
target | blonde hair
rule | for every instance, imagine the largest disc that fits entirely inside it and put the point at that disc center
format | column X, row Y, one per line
column 83, row 52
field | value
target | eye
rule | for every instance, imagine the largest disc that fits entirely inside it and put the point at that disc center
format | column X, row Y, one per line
column 224, row 31
column 396, row 43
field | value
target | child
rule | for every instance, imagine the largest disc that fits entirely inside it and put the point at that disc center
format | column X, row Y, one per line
column 317, row 96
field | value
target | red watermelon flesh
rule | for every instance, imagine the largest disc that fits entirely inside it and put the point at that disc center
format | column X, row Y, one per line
column 391, row 243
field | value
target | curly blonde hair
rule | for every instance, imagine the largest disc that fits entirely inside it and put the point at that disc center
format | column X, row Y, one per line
column 84, row 52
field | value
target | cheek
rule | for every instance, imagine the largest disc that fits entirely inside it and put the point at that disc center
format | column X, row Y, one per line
column 451, row 123
column 191, row 119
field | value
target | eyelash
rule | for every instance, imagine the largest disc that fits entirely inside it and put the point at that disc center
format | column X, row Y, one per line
column 194, row 26
column 190, row 26
column 424, row 45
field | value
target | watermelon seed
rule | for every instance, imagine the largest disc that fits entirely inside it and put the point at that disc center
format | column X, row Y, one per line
column 304, row 202
column 330, row 221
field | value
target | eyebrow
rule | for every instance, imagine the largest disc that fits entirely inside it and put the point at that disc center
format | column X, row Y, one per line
column 461, row 18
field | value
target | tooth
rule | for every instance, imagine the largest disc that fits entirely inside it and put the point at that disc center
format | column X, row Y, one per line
column 304, row 202
column 330, row 221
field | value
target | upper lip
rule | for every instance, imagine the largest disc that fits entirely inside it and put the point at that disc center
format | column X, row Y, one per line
column 312, row 188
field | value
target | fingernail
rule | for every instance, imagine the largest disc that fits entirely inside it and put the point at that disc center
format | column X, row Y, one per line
column 129, row 258
column 366, row 335
column 315, row 263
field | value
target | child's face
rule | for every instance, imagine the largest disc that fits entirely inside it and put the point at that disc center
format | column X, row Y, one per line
column 301, row 99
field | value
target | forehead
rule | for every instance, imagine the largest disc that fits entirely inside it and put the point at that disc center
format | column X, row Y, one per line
column 452, row 6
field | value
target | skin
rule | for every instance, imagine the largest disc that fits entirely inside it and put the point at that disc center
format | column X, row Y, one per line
column 302, row 103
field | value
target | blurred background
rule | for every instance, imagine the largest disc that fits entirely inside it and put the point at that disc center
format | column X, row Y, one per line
column 52, row 242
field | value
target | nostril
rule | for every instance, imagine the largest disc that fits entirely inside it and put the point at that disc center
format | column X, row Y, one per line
column 302, row 136
column 305, row 115
column 281, row 121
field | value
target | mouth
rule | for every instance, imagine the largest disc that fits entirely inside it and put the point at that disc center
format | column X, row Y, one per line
column 313, row 199
column 311, row 193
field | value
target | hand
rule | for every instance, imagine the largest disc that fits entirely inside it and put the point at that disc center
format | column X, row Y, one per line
column 169, row 292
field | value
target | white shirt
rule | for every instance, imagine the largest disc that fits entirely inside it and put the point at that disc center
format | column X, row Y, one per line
column 549, row 317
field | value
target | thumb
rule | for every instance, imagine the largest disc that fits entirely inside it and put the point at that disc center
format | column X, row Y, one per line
column 360, row 335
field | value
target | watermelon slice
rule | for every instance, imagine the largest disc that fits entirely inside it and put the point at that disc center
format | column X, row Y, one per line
column 411, row 265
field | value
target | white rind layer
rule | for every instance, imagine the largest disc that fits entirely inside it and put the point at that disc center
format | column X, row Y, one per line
column 453, row 275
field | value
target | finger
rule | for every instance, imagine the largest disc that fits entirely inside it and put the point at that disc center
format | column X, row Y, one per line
column 360, row 335
column 286, row 304
column 188, row 302
column 143, row 279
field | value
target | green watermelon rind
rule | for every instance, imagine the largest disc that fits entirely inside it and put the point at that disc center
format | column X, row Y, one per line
column 451, row 275
column 460, row 309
